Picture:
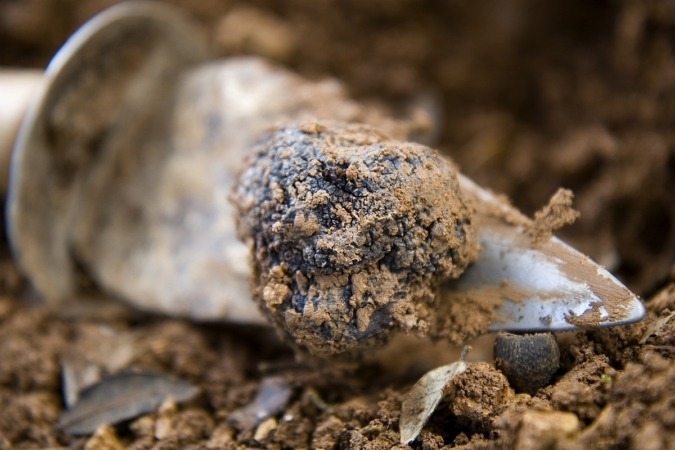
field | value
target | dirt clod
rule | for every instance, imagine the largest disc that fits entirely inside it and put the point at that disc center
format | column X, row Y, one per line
column 541, row 430
column 583, row 390
column 557, row 213
column 480, row 394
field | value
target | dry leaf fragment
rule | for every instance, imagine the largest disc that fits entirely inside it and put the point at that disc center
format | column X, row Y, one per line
column 654, row 329
column 98, row 350
column 121, row 397
column 272, row 397
column 425, row 396
column 76, row 375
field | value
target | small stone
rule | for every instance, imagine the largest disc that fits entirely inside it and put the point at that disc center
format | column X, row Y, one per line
column 528, row 361
column 144, row 426
column 650, row 436
column 540, row 430
column 164, row 424
column 327, row 432
column 104, row 438
column 264, row 429
column 222, row 435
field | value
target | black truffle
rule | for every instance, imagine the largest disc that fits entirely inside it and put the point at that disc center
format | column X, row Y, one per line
column 350, row 233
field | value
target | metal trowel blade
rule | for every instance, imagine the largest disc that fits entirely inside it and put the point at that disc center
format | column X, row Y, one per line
column 547, row 286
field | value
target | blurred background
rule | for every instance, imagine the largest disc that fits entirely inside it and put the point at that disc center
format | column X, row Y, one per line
column 526, row 96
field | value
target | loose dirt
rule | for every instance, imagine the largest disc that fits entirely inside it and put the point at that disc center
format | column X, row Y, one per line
column 527, row 97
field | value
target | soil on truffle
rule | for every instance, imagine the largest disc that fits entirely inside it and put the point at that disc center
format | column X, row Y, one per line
column 527, row 97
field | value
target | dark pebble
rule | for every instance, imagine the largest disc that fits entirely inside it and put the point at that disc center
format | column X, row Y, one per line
column 528, row 361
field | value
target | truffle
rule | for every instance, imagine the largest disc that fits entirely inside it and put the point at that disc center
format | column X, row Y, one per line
column 350, row 233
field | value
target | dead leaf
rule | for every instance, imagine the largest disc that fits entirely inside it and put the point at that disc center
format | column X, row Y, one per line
column 272, row 397
column 425, row 395
column 654, row 328
column 76, row 375
column 122, row 397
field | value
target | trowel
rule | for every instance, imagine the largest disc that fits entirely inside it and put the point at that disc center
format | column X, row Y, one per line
column 128, row 148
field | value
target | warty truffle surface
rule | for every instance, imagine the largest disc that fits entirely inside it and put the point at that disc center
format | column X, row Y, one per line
column 350, row 233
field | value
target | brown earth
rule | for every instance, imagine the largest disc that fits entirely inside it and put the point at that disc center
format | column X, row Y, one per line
column 531, row 97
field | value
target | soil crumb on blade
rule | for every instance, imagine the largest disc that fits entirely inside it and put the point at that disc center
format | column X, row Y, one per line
column 350, row 233
column 555, row 215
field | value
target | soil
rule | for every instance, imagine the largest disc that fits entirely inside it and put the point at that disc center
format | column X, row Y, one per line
column 528, row 97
